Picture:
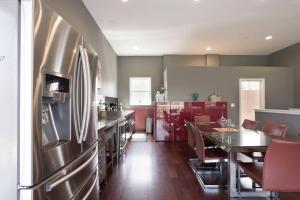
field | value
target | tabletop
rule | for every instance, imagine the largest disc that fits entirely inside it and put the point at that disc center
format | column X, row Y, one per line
column 241, row 141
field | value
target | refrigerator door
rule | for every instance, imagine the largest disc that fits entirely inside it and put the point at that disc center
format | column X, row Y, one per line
column 90, row 135
column 49, row 54
column 78, row 181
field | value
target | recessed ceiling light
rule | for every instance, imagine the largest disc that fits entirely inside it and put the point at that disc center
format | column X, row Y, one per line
column 124, row 0
column 269, row 37
column 196, row 0
column 208, row 48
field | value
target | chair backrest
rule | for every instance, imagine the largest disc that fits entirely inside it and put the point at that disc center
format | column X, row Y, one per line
column 281, row 167
column 200, row 148
column 249, row 124
column 166, row 116
column 275, row 130
column 191, row 136
column 202, row 120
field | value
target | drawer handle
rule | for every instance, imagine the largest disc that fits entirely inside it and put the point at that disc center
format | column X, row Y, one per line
column 50, row 186
column 91, row 188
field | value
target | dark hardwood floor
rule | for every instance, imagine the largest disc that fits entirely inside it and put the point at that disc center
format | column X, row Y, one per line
column 159, row 171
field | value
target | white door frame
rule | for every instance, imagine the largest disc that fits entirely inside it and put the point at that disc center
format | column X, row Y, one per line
column 263, row 95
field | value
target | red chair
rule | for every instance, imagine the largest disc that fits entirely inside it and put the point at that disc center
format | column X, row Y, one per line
column 191, row 136
column 202, row 120
column 249, row 124
column 280, row 170
column 211, row 155
column 274, row 130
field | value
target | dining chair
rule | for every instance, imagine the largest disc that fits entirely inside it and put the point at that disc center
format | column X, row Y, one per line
column 249, row 124
column 202, row 120
column 275, row 130
column 207, row 156
column 191, row 137
column 280, row 170
column 270, row 129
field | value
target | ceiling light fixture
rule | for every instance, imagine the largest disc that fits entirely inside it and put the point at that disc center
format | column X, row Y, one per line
column 269, row 37
column 196, row 0
column 208, row 48
column 124, row 0
column 136, row 48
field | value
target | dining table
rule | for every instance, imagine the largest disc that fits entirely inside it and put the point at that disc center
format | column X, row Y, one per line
column 240, row 141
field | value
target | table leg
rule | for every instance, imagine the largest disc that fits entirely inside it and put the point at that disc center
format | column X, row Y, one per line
column 232, row 180
column 231, row 171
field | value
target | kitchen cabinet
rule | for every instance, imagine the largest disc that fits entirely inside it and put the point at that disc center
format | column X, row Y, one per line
column 170, row 117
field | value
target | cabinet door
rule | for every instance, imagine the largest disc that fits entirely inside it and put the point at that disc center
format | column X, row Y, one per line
column 163, row 124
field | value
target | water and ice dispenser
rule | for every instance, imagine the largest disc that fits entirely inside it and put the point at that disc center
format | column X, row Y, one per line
column 56, row 110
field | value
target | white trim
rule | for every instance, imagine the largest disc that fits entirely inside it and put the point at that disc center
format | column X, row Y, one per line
column 291, row 112
column 263, row 91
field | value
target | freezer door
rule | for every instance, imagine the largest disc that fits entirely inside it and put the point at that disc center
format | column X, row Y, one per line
column 48, row 140
column 78, row 181
column 90, row 135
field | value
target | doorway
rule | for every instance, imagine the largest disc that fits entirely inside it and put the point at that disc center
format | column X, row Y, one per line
column 252, row 96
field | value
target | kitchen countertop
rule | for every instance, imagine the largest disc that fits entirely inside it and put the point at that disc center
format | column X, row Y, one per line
column 291, row 111
column 107, row 122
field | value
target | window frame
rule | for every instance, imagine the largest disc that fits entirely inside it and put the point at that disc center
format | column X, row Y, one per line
column 149, row 91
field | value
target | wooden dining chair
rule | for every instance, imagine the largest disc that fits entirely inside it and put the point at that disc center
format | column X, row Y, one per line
column 280, row 170
column 211, row 155
column 249, row 124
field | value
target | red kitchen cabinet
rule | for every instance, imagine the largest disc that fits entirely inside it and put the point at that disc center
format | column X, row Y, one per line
column 170, row 117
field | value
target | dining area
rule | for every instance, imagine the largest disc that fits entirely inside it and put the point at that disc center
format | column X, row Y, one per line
column 245, row 162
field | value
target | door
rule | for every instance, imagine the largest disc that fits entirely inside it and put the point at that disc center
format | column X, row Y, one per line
column 252, row 96
column 90, row 135
column 48, row 140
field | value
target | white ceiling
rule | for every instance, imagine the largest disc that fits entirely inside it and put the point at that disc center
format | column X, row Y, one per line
column 160, row 27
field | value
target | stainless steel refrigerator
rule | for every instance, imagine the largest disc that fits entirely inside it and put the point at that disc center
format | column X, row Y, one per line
column 56, row 147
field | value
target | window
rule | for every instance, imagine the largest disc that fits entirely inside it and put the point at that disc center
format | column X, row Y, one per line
column 140, row 90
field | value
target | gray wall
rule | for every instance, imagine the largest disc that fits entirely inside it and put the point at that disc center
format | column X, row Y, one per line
column 182, row 81
column 243, row 60
column 184, row 60
column 222, row 60
column 138, row 66
column 291, row 120
column 289, row 56
column 78, row 16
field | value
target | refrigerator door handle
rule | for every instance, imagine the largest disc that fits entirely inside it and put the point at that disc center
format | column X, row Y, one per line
column 50, row 186
column 80, row 75
column 92, row 187
column 88, row 94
